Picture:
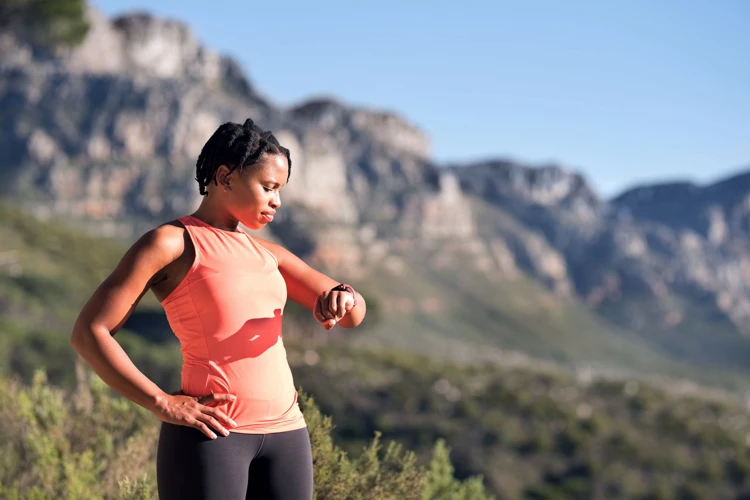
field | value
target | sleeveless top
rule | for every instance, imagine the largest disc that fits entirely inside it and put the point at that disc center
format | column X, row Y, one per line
column 227, row 315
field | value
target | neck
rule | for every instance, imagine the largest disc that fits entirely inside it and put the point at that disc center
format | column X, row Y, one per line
column 215, row 215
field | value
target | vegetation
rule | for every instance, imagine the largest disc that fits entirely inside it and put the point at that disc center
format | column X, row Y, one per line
column 538, row 433
column 45, row 24
column 452, row 311
column 47, row 271
column 528, row 433
column 91, row 445
column 529, row 430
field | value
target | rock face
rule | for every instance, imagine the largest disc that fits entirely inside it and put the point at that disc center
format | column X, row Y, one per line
column 109, row 134
column 674, row 246
column 696, row 239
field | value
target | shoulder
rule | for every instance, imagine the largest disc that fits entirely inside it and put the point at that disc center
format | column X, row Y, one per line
column 277, row 250
column 283, row 256
column 162, row 244
column 149, row 255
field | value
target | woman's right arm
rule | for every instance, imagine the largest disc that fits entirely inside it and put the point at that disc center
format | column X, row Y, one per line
column 108, row 309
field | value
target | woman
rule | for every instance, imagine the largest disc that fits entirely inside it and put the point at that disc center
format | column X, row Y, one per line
column 235, row 430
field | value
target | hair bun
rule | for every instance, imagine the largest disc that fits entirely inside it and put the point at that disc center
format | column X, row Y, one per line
column 235, row 146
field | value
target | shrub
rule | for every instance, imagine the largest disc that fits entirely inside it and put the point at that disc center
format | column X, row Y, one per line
column 91, row 444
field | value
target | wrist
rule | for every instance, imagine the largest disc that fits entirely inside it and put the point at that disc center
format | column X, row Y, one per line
column 157, row 402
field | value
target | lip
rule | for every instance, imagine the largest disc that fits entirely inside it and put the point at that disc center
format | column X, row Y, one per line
column 268, row 216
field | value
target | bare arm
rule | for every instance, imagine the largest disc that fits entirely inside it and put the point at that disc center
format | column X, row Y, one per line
column 106, row 312
column 306, row 285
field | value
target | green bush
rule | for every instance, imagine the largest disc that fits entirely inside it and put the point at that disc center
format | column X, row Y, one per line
column 45, row 23
column 91, row 444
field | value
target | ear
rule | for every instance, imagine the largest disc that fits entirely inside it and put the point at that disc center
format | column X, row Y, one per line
column 222, row 176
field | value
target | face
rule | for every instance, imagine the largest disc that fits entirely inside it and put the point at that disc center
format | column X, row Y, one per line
column 254, row 197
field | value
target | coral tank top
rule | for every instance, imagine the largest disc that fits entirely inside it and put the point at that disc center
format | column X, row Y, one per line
column 227, row 315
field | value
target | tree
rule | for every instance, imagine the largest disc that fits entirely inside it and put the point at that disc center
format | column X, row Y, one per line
column 45, row 24
column 440, row 484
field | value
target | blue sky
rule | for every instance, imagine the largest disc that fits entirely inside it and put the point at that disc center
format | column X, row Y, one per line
column 624, row 92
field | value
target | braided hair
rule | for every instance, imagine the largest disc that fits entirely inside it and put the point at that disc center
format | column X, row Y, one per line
column 235, row 146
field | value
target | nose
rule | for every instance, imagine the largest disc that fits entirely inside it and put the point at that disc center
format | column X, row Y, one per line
column 276, row 201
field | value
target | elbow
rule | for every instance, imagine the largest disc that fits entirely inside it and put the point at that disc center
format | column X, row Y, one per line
column 78, row 339
column 82, row 336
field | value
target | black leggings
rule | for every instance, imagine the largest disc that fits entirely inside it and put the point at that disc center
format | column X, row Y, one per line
column 190, row 466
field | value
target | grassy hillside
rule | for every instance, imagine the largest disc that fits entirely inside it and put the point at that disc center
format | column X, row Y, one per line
column 538, row 433
column 531, row 433
column 702, row 336
column 47, row 272
column 462, row 314
column 532, row 429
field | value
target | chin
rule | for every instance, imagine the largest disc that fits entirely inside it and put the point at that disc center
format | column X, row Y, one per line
column 255, row 225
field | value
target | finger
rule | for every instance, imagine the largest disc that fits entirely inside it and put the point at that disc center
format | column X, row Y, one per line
column 221, row 416
column 350, row 304
column 204, row 429
column 336, row 308
column 209, row 420
column 318, row 311
column 222, row 399
column 333, row 303
column 329, row 324
column 343, row 298
column 325, row 307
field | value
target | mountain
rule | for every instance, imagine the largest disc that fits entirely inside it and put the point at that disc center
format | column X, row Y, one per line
column 669, row 262
column 487, row 260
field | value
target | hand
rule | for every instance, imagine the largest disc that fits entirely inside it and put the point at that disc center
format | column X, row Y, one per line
column 332, row 306
column 192, row 411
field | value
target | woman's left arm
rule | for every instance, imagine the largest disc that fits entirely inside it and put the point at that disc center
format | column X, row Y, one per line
column 312, row 289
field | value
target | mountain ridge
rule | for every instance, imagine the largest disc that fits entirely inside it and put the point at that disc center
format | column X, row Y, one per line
column 113, row 148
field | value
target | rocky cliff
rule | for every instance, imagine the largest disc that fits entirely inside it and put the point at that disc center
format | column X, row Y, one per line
column 670, row 261
column 109, row 133
column 113, row 140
